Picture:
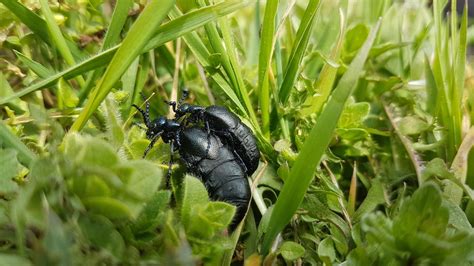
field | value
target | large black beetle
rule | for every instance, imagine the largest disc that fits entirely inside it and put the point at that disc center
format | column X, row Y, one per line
column 205, row 156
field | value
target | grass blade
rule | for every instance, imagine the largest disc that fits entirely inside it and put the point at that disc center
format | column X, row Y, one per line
column 139, row 34
column 168, row 31
column 34, row 22
column 264, row 62
column 327, row 77
column 57, row 37
column 302, row 172
column 119, row 17
column 298, row 50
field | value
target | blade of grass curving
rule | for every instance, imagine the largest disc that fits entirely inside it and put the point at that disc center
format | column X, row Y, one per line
column 242, row 89
column 327, row 76
column 202, row 54
column 119, row 17
column 302, row 172
column 168, row 31
column 264, row 62
column 57, row 37
column 298, row 50
column 137, row 37
column 11, row 141
column 34, row 22
column 37, row 68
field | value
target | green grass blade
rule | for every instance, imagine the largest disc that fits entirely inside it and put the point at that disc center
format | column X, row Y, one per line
column 119, row 17
column 264, row 62
column 55, row 33
column 34, row 22
column 298, row 50
column 327, row 76
column 37, row 68
column 302, row 172
column 167, row 32
column 11, row 141
column 140, row 32
column 58, row 38
column 242, row 89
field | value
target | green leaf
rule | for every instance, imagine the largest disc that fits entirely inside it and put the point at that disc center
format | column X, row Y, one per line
column 326, row 250
column 412, row 125
column 109, row 207
column 298, row 50
column 89, row 151
column 194, row 195
column 14, row 259
column 9, row 167
column 144, row 179
column 291, row 250
column 302, row 172
column 101, row 233
column 149, row 216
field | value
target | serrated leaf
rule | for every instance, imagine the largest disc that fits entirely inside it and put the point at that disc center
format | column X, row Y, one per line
column 144, row 179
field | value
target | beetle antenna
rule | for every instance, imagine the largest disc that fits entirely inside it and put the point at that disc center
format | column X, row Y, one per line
column 145, row 114
column 152, row 143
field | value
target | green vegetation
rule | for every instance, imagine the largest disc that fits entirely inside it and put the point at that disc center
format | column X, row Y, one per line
column 362, row 111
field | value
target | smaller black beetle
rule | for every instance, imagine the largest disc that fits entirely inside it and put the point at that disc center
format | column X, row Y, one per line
column 224, row 124
column 205, row 156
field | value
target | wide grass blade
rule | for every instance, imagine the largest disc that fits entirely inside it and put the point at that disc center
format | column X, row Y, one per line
column 298, row 50
column 264, row 62
column 167, row 32
column 140, row 32
column 11, row 141
column 302, row 172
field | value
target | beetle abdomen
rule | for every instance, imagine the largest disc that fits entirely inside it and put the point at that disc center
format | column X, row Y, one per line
column 228, row 126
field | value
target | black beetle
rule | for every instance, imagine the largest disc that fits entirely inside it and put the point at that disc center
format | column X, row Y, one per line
column 227, row 126
column 205, row 156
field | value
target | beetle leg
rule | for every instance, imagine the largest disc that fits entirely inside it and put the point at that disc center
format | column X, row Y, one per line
column 152, row 143
column 170, row 164
column 172, row 104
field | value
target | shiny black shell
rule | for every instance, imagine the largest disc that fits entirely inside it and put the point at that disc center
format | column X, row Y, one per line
column 217, row 166
column 239, row 136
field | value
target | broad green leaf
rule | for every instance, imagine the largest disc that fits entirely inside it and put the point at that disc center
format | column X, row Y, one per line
column 291, row 250
column 302, row 172
column 149, row 216
column 194, row 195
column 109, row 207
